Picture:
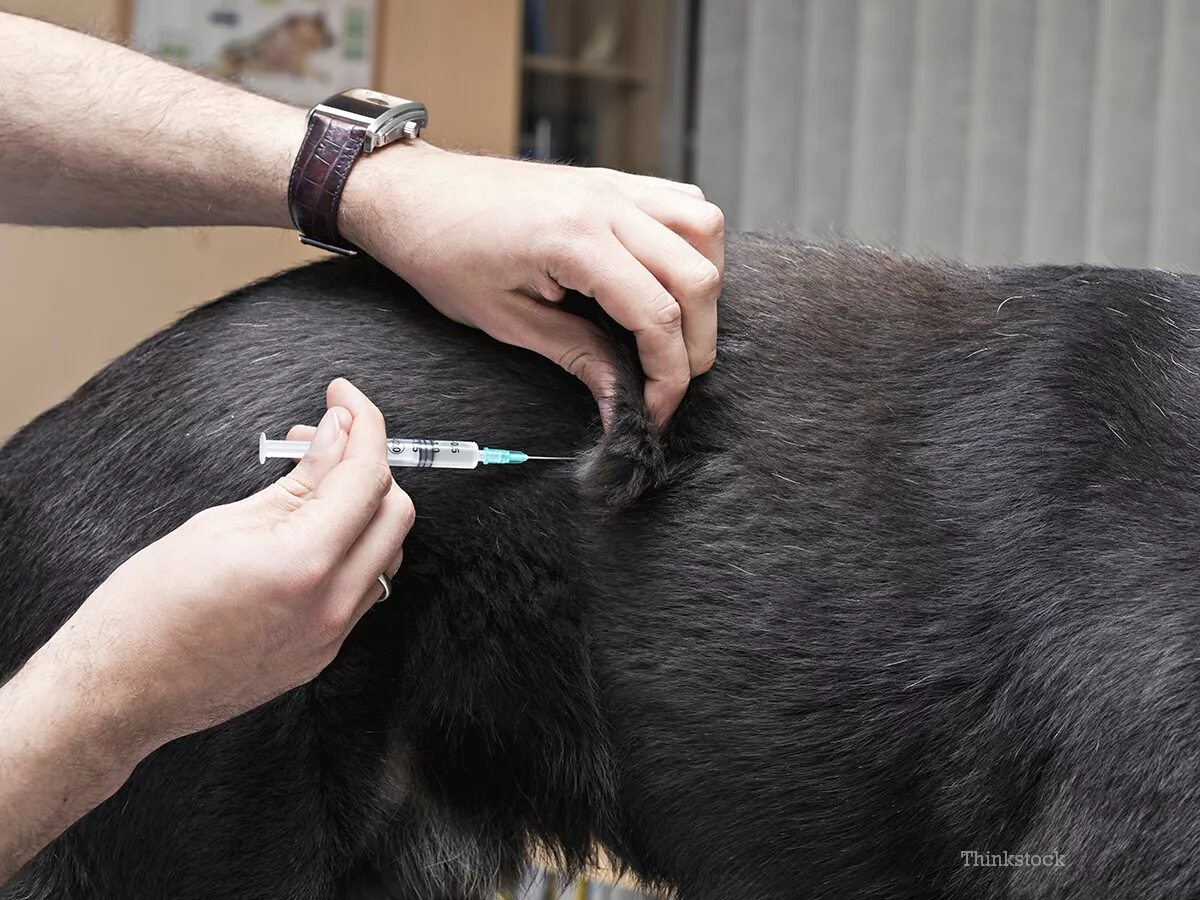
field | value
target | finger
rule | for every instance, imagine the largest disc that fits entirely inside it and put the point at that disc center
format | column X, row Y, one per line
column 348, row 495
column 393, row 569
column 572, row 342
column 397, row 561
column 333, row 517
column 638, row 301
column 368, row 434
column 301, row 433
column 377, row 550
column 698, row 222
column 692, row 279
column 375, row 593
column 327, row 445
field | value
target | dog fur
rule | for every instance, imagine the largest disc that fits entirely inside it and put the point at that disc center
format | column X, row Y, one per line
column 913, row 572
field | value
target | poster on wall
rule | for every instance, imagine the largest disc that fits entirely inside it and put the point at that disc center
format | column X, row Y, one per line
column 300, row 51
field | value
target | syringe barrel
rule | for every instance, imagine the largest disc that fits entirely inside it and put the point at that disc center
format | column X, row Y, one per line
column 413, row 453
column 425, row 454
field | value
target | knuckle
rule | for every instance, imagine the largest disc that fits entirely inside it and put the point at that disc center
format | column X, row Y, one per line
column 375, row 475
column 403, row 509
column 711, row 221
column 334, row 619
column 576, row 221
column 572, row 263
column 382, row 475
column 706, row 278
column 579, row 361
column 293, row 489
column 308, row 574
column 585, row 207
column 665, row 312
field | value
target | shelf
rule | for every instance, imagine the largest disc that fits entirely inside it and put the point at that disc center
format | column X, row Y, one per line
column 596, row 81
column 573, row 68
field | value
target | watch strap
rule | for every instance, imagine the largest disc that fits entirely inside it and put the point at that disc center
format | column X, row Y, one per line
column 331, row 145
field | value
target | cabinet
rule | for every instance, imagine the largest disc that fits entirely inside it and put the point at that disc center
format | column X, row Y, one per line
column 602, row 84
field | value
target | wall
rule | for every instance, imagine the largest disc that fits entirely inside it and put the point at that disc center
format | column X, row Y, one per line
column 992, row 130
column 71, row 300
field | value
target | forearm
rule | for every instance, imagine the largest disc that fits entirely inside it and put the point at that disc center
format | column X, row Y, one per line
column 94, row 134
column 66, row 745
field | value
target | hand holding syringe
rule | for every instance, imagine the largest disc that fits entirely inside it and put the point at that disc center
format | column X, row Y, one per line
column 415, row 453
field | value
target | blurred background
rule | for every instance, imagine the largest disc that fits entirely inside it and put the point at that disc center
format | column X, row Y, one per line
column 988, row 130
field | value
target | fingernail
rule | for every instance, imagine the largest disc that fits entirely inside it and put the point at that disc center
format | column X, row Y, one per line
column 343, row 416
column 327, row 432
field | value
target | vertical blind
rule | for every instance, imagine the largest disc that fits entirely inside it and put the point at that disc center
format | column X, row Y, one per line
column 986, row 130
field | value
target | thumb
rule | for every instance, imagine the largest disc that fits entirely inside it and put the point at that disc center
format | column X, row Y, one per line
column 326, row 447
column 572, row 342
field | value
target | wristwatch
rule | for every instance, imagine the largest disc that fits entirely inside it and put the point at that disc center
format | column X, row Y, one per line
column 339, row 130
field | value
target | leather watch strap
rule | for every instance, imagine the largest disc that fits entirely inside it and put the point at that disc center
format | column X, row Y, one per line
column 331, row 145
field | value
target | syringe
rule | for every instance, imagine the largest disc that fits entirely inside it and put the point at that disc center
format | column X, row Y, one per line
column 415, row 453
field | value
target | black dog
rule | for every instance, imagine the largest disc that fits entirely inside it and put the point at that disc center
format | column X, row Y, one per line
column 914, row 574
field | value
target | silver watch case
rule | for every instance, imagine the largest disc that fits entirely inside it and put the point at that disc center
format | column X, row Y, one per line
column 385, row 117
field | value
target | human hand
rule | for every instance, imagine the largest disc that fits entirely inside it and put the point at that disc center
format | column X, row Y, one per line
column 495, row 243
column 247, row 600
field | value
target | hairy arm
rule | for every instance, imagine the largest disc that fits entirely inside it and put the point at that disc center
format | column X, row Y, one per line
column 95, row 134
column 66, row 745
column 92, row 133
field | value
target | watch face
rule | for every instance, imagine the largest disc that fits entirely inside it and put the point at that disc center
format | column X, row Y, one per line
column 363, row 103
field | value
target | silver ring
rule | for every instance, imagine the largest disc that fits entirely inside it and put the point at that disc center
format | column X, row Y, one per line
column 387, row 587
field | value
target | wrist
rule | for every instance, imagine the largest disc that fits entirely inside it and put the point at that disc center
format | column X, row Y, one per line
column 63, row 732
column 88, row 705
column 271, row 137
column 378, row 201
column 64, row 751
